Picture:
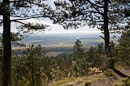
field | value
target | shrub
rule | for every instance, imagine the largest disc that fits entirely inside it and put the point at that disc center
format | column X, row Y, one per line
column 123, row 82
column 108, row 73
column 87, row 83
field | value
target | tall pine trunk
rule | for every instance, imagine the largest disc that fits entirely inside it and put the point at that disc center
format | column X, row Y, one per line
column 6, row 44
column 107, row 41
column 107, row 35
column 32, row 72
column 106, row 31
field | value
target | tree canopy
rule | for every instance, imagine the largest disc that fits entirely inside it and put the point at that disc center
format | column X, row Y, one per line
column 16, row 11
column 107, row 15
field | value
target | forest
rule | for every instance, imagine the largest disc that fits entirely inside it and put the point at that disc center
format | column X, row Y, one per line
column 108, row 61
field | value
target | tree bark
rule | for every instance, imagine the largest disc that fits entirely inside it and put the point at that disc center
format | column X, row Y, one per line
column 107, row 41
column 6, row 44
column 106, row 30
column 32, row 71
column 107, row 35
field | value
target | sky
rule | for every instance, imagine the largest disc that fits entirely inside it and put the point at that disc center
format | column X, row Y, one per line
column 55, row 28
column 58, row 29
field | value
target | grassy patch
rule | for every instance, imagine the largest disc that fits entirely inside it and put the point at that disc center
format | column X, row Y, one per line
column 123, row 82
column 79, row 82
column 108, row 73
column 87, row 83
column 60, row 82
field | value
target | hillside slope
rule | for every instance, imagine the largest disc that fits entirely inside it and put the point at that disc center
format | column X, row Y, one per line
column 107, row 78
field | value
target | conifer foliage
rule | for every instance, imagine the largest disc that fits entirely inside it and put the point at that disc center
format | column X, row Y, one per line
column 16, row 11
column 107, row 15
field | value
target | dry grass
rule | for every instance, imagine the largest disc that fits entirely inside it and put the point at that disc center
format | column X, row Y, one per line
column 61, row 82
column 107, row 78
column 123, row 82
column 79, row 81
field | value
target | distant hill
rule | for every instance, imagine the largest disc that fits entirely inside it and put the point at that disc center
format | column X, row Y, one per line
column 63, row 40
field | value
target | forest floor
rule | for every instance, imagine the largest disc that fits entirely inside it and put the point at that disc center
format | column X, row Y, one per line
column 107, row 78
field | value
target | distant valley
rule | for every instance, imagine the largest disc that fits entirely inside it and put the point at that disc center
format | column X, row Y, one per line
column 62, row 40
column 59, row 43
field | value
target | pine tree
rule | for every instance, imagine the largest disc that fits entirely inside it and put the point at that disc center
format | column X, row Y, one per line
column 78, row 51
column 106, row 15
column 124, row 48
column 19, row 10
column 1, row 59
column 79, row 63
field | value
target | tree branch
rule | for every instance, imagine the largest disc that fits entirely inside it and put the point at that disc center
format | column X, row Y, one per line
column 93, row 5
column 1, row 23
column 27, row 18
column 13, row 1
column 18, row 22
column 84, row 19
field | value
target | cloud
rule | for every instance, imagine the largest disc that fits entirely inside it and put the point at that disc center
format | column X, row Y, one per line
column 41, row 22
column 60, row 30
column 51, row 3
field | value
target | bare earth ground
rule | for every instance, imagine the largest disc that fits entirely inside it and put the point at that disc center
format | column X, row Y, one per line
column 94, row 80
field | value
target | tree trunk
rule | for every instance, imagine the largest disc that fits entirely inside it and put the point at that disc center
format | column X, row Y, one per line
column 32, row 72
column 106, row 31
column 39, row 81
column 107, row 41
column 107, row 35
column 6, row 44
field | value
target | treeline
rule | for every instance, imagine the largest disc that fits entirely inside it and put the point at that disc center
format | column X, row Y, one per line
column 33, row 68
column 59, row 49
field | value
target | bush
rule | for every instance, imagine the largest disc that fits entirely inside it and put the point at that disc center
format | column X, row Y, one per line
column 108, row 73
column 123, row 82
column 87, row 83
